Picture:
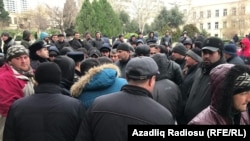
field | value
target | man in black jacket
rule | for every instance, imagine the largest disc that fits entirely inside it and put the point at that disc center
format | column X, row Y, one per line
column 110, row 115
column 46, row 115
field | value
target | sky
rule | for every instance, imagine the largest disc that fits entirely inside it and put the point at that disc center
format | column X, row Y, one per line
column 52, row 3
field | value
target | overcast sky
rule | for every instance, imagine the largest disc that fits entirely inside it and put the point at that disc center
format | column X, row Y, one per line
column 53, row 3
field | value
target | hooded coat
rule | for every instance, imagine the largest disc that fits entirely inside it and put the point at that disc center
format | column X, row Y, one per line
column 200, row 96
column 100, row 80
column 166, row 92
column 67, row 66
column 169, row 69
column 26, row 39
column 245, row 53
column 219, row 112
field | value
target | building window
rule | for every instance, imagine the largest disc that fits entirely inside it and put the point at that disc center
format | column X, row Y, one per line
column 209, row 13
column 225, row 12
column 201, row 26
column 243, row 10
column 216, row 26
column 234, row 11
column 241, row 23
column 194, row 15
column 216, row 13
column 224, row 24
column 208, row 25
column 201, row 14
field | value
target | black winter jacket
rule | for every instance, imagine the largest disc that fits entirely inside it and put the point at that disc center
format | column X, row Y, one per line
column 45, row 116
column 110, row 115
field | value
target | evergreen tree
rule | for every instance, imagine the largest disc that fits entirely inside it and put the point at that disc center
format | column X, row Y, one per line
column 166, row 19
column 98, row 16
column 84, row 18
column 110, row 21
column 4, row 15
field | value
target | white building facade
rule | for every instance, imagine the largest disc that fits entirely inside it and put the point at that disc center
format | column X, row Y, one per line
column 222, row 18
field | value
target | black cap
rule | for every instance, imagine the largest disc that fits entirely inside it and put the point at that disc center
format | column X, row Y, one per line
column 213, row 44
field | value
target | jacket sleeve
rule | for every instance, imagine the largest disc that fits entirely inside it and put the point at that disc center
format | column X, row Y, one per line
column 84, row 133
column 9, row 129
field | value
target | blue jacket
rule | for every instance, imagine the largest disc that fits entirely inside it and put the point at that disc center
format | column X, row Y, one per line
column 100, row 80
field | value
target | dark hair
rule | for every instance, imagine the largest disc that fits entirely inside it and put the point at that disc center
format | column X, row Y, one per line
column 88, row 64
column 65, row 50
column 104, row 60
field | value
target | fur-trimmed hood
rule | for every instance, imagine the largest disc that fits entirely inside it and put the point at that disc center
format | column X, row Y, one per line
column 96, row 78
column 222, row 80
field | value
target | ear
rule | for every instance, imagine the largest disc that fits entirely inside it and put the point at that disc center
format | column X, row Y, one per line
column 151, row 81
column 38, row 52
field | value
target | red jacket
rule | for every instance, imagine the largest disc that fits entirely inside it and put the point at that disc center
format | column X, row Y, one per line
column 246, row 51
column 13, row 85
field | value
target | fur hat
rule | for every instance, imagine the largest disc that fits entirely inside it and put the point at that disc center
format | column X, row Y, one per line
column 37, row 46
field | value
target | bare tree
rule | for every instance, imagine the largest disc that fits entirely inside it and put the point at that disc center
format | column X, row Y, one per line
column 145, row 10
column 69, row 14
column 237, row 20
column 56, row 17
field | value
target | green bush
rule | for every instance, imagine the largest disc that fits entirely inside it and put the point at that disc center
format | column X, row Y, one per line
column 18, row 38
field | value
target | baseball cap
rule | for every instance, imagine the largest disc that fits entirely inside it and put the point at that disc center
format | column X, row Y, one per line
column 141, row 68
column 213, row 44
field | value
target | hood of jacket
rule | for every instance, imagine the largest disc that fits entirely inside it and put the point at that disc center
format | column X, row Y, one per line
column 163, row 63
column 222, row 80
column 67, row 66
column 26, row 35
column 98, row 77
column 246, row 50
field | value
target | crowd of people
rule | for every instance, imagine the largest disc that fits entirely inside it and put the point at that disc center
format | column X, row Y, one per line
column 83, row 89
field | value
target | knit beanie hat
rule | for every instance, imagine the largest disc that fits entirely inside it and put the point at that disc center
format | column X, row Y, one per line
column 16, row 51
column 180, row 48
column 242, row 83
column 195, row 54
column 230, row 49
column 123, row 46
column 43, row 35
column 48, row 72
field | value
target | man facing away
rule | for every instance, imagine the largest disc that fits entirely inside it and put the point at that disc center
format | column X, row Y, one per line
column 48, row 114
column 110, row 115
